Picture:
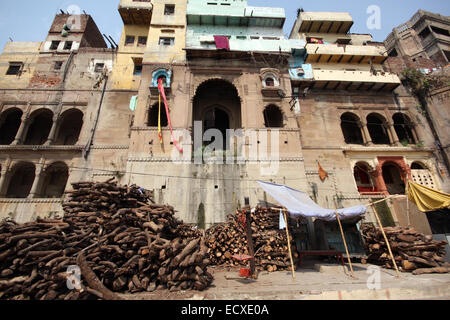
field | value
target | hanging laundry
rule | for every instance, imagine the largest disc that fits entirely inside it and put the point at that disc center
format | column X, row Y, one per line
column 133, row 103
column 163, row 94
column 322, row 173
column 222, row 42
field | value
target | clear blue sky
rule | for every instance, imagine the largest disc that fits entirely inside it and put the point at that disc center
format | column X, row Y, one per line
column 29, row 20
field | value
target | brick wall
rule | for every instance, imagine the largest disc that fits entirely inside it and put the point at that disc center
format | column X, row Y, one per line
column 398, row 64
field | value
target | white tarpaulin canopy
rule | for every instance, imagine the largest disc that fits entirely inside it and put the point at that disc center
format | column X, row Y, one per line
column 300, row 204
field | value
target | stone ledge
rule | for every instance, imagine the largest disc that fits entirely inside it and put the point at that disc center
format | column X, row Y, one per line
column 190, row 161
column 31, row 201
column 100, row 147
column 49, row 148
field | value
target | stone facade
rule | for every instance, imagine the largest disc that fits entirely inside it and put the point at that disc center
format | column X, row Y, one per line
column 425, row 36
column 68, row 117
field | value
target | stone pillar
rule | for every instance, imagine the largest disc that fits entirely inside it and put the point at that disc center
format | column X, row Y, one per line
column 366, row 134
column 379, row 181
column 38, row 176
column 20, row 136
column 4, row 178
column 393, row 138
column 414, row 132
column 51, row 135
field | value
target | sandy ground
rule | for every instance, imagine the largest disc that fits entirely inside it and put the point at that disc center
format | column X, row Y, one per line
column 315, row 280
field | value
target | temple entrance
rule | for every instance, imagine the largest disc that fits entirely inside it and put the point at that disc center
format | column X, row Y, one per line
column 217, row 106
column 216, row 118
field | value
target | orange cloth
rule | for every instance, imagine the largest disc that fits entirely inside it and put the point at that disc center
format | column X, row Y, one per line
column 322, row 173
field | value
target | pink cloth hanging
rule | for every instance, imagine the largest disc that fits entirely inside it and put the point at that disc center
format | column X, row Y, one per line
column 222, row 42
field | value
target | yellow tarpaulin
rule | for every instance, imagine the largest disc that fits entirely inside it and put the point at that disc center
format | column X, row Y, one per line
column 427, row 199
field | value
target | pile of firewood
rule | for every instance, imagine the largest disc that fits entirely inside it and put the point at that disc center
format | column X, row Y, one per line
column 413, row 252
column 270, row 243
column 119, row 242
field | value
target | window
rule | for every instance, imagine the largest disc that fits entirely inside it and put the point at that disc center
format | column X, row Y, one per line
column 241, row 37
column 129, row 40
column 166, row 41
column 99, row 67
column 68, row 45
column 270, row 82
column 164, row 80
column 14, row 68
column 58, row 65
column 350, row 125
column 137, row 67
column 169, row 9
column 273, row 117
column 142, row 41
column 404, row 129
column 55, row 45
column 376, row 124
column 153, row 115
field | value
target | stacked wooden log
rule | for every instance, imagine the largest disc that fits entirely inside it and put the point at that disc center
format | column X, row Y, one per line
column 271, row 248
column 119, row 241
column 413, row 252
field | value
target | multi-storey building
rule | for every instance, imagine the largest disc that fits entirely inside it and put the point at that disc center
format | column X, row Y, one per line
column 355, row 122
column 55, row 121
column 425, row 36
column 72, row 109
column 244, row 86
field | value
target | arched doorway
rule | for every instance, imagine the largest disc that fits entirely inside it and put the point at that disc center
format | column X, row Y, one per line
column 216, row 118
column 217, row 106
column 351, row 128
column 377, row 130
column 39, row 128
column 10, row 122
column 56, row 176
column 21, row 181
column 363, row 178
column 393, row 178
column 404, row 128
column 69, row 127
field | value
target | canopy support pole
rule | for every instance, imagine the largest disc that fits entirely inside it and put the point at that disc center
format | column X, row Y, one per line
column 407, row 202
column 385, row 238
column 289, row 244
column 345, row 243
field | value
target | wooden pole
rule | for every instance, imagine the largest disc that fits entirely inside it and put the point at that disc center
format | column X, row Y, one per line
column 385, row 239
column 407, row 202
column 251, row 248
column 289, row 245
column 345, row 243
